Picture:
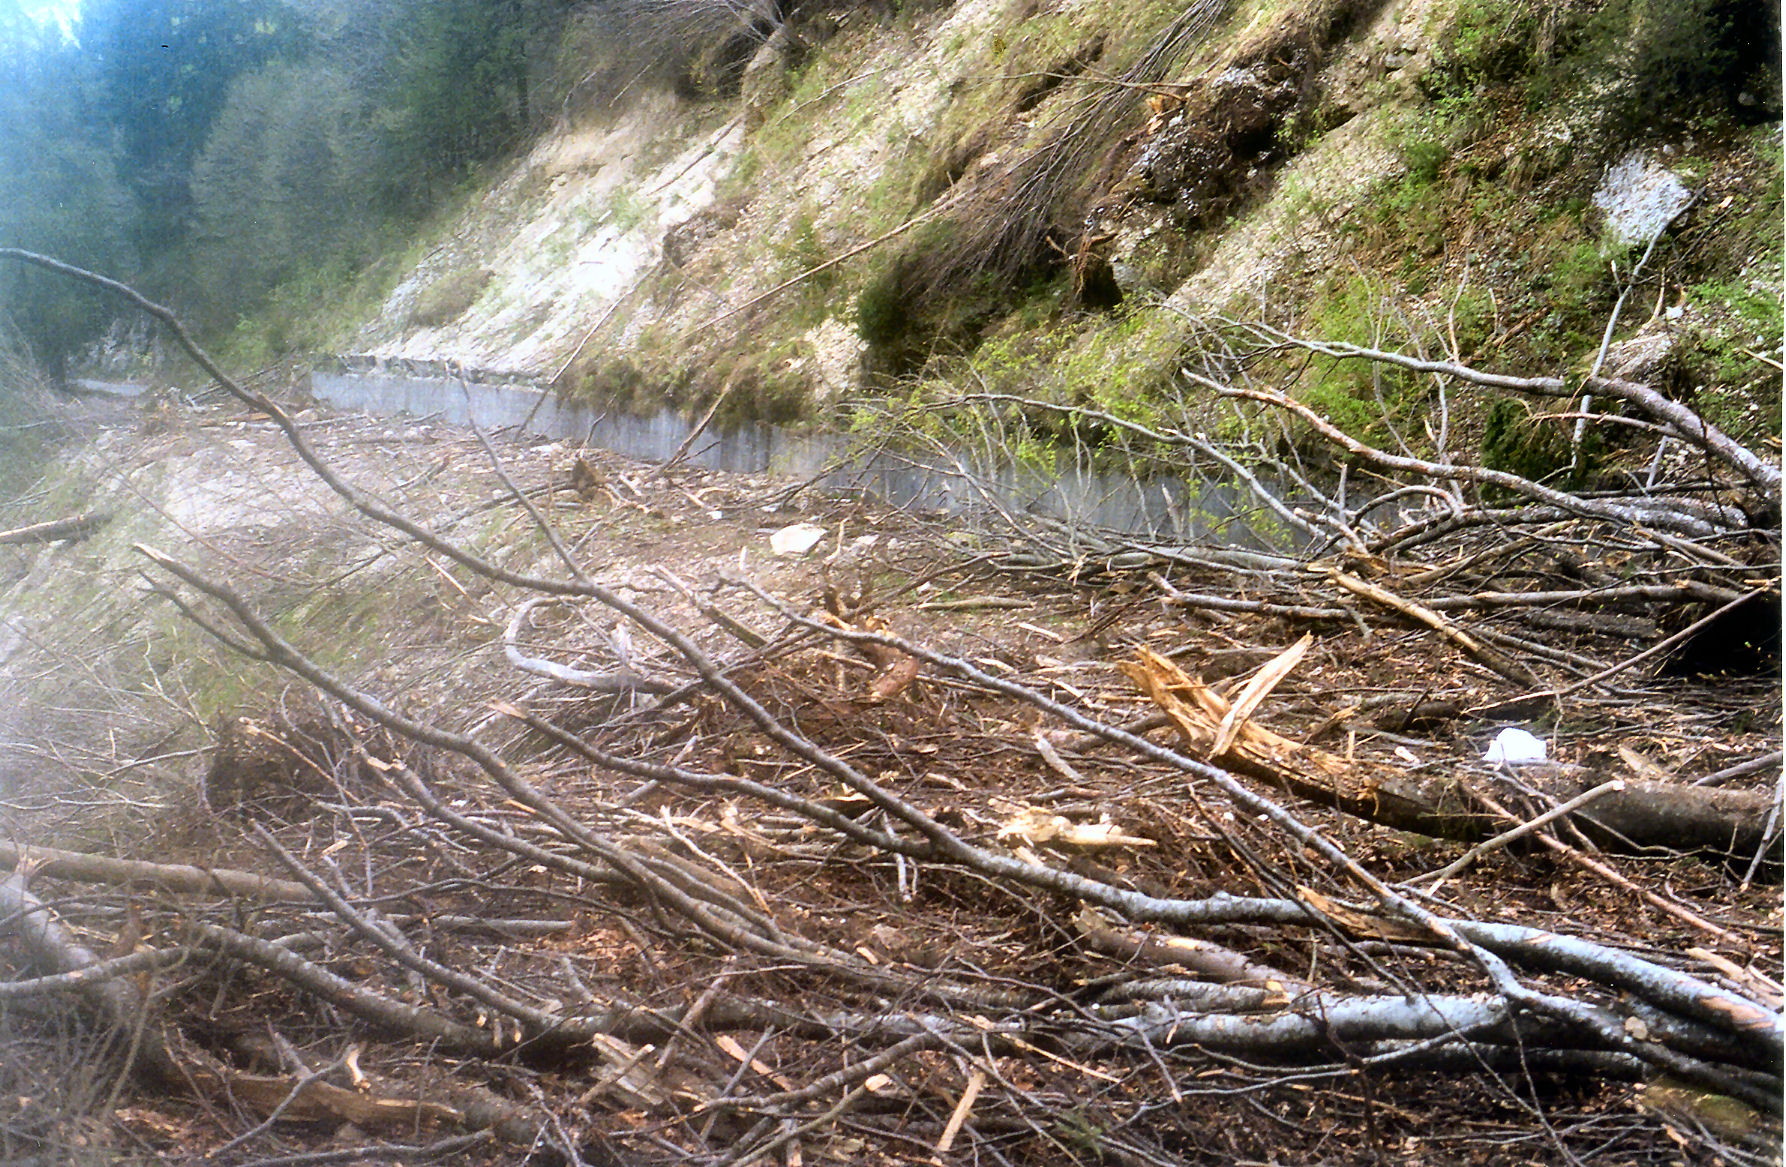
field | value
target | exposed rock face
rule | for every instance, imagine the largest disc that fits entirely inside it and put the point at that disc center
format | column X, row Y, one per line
column 1640, row 197
column 1643, row 358
column 765, row 82
column 573, row 232
column 129, row 346
column 1211, row 142
column 835, row 366
column 648, row 253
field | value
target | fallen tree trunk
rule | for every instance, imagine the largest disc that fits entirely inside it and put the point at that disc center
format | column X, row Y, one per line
column 73, row 528
column 117, row 1001
column 1728, row 823
column 174, row 877
column 1730, row 826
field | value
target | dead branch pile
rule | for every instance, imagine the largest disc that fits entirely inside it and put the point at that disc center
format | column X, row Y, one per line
column 824, row 891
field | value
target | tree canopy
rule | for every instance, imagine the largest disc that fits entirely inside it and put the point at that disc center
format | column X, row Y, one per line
column 214, row 149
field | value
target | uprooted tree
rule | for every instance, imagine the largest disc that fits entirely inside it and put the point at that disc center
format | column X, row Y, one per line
column 1038, row 999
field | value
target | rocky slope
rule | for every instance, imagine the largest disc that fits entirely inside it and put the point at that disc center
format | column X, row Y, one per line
column 1035, row 196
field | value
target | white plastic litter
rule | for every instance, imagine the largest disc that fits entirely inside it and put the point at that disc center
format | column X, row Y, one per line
column 797, row 539
column 1515, row 747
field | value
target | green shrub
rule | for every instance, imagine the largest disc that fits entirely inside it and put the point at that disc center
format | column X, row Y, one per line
column 883, row 317
column 448, row 298
column 904, row 313
column 615, row 382
column 1516, row 442
column 1639, row 63
column 1426, row 159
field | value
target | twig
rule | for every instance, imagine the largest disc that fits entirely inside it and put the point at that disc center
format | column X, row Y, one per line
column 1512, row 670
column 1703, row 1002
column 515, row 492
column 976, row 1080
column 1770, row 834
column 119, row 966
column 700, row 427
column 790, row 1132
column 402, row 1152
column 392, row 943
column 1612, row 321
column 622, row 680
column 1685, row 422
column 1770, row 761
column 1679, row 516
column 1055, row 762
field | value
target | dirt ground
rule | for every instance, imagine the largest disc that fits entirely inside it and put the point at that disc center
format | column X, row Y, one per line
column 134, row 735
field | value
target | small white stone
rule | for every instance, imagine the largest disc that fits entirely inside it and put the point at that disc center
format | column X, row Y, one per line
column 1515, row 747
column 797, row 539
column 1641, row 197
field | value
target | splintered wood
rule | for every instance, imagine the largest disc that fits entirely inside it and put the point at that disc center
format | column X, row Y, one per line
column 1379, row 791
column 1444, row 804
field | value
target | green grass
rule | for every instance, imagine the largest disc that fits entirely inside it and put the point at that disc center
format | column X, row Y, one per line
column 625, row 208
column 449, row 297
column 1361, row 398
column 1737, row 343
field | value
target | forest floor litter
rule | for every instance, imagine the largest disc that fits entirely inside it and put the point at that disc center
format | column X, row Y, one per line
column 674, row 933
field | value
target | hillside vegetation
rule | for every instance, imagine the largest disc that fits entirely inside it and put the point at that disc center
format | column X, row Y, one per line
column 614, row 195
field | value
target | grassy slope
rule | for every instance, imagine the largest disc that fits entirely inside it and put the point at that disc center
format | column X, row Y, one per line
column 1413, row 195
column 1417, row 174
